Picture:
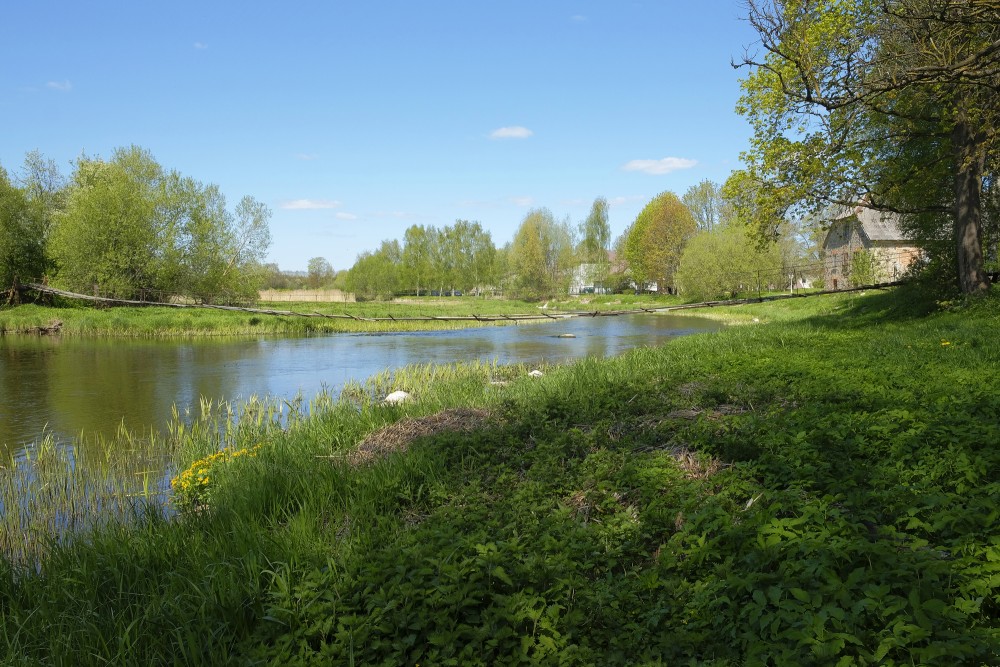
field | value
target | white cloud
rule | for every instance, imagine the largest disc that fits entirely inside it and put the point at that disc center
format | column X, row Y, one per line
column 512, row 132
column 306, row 156
column 201, row 46
column 342, row 215
column 658, row 167
column 522, row 201
column 618, row 201
column 62, row 86
column 578, row 18
column 309, row 204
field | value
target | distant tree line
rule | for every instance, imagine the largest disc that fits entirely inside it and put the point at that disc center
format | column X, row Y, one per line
column 695, row 245
column 128, row 227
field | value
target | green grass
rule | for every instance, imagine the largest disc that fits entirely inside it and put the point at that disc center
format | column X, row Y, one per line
column 153, row 321
column 819, row 488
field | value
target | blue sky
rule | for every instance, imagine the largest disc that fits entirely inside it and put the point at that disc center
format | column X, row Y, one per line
column 354, row 120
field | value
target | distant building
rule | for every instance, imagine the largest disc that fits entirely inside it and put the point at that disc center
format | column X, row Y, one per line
column 864, row 240
column 589, row 279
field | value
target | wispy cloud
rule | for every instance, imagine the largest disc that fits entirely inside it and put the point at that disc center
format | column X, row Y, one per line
column 658, row 167
column 200, row 46
column 512, row 132
column 618, row 201
column 522, row 201
column 578, row 18
column 309, row 204
column 343, row 215
column 306, row 156
column 61, row 86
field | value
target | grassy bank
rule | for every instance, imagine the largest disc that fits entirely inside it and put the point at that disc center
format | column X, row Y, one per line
column 153, row 321
column 817, row 488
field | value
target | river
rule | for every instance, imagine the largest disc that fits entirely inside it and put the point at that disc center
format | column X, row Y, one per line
column 67, row 386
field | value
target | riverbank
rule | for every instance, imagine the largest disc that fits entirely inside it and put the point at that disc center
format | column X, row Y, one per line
column 78, row 319
column 817, row 487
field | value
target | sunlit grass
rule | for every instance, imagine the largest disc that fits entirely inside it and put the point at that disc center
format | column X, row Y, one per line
column 153, row 321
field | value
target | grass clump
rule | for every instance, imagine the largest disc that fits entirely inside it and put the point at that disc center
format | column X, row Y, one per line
column 817, row 490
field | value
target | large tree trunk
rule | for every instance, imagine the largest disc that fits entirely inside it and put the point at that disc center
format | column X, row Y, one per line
column 970, row 162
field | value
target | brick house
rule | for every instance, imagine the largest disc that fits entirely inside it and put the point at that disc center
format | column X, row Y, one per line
column 856, row 230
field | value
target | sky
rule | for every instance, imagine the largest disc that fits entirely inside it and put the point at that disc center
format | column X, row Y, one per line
column 355, row 120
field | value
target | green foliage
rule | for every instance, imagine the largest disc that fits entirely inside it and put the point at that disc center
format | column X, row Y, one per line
column 866, row 269
column 654, row 242
column 22, row 236
column 595, row 234
column 723, row 263
column 457, row 258
column 873, row 100
column 541, row 256
column 130, row 227
column 375, row 275
column 708, row 205
column 321, row 274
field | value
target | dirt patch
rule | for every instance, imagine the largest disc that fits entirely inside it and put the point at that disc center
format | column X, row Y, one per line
column 694, row 466
column 398, row 436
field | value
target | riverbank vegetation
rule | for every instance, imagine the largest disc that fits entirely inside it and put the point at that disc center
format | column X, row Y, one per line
column 153, row 321
column 128, row 228
column 817, row 487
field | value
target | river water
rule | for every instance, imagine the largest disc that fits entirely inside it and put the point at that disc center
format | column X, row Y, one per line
column 68, row 386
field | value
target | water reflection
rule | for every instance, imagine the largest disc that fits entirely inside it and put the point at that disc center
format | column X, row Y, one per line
column 69, row 386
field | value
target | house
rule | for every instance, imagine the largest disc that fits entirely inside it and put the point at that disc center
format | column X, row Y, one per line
column 589, row 279
column 864, row 246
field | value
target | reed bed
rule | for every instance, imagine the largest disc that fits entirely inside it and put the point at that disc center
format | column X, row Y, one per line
column 52, row 491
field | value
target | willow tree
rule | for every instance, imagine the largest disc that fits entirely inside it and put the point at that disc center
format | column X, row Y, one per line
column 22, row 250
column 708, row 205
column 595, row 239
column 541, row 255
column 129, row 226
column 889, row 102
column 654, row 242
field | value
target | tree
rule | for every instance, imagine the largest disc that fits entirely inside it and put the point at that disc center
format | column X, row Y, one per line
column 417, row 257
column 725, row 261
column 130, row 226
column 707, row 204
column 472, row 253
column 45, row 189
column 320, row 272
column 595, row 239
column 375, row 275
column 111, row 234
column 888, row 102
column 22, row 250
column 541, row 255
column 249, row 237
column 654, row 242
